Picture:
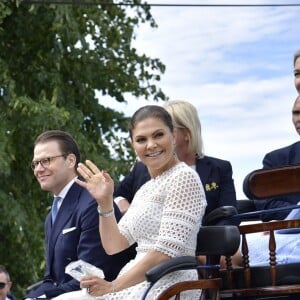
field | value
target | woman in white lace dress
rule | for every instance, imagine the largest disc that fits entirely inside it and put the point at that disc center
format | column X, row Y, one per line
column 163, row 219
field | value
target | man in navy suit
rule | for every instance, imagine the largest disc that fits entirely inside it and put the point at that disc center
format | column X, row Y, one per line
column 74, row 233
column 282, row 157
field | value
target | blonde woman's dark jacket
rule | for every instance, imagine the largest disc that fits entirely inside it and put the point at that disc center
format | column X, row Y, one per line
column 215, row 174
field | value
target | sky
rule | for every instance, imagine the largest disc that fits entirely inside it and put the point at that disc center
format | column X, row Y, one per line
column 235, row 64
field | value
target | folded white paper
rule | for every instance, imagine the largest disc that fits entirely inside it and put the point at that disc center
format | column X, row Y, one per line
column 78, row 269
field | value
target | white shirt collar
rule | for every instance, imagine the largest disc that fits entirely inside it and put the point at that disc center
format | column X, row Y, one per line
column 64, row 191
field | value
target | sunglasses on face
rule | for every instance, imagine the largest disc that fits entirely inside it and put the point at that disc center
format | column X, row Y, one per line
column 2, row 285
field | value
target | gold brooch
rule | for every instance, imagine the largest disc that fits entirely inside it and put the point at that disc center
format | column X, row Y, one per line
column 212, row 186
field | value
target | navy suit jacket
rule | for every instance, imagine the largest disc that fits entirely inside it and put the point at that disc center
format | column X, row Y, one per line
column 215, row 175
column 289, row 155
column 75, row 235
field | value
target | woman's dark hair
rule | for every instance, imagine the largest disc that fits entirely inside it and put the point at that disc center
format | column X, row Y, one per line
column 150, row 111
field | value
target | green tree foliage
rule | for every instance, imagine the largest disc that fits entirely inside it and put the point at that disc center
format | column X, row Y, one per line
column 52, row 60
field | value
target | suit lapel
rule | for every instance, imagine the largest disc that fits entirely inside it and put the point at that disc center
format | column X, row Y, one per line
column 295, row 154
column 203, row 168
column 68, row 205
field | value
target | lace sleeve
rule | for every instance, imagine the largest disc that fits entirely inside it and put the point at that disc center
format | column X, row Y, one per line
column 183, row 210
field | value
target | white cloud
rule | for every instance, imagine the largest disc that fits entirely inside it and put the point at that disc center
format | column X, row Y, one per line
column 235, row 65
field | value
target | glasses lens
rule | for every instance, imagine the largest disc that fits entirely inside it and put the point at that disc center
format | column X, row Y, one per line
column 46, row 162
column 2, row 285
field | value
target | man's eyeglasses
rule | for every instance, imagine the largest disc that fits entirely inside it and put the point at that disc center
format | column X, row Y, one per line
column 45, row 162
column 2, row 285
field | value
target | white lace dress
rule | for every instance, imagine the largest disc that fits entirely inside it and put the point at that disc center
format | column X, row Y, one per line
column 165, row 215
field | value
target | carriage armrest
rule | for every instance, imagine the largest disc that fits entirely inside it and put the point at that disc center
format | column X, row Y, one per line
column 270, row 226
column 172, row 265
column 221, row 216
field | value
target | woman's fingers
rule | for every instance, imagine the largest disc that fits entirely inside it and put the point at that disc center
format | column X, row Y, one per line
column 94, row 169
column 99, row 184
column 87, row 173
column 106, row 176
column 83, row 171
column 90, row 172
column 87, row 281
column 94, row 285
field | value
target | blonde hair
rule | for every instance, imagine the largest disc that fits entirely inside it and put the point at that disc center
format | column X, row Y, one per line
column 185, row 115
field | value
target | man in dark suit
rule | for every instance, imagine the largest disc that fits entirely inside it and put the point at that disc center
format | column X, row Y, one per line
column 289, row 155
column 73, row 233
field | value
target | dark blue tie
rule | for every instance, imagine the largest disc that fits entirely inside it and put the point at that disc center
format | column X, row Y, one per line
column 54, row 209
